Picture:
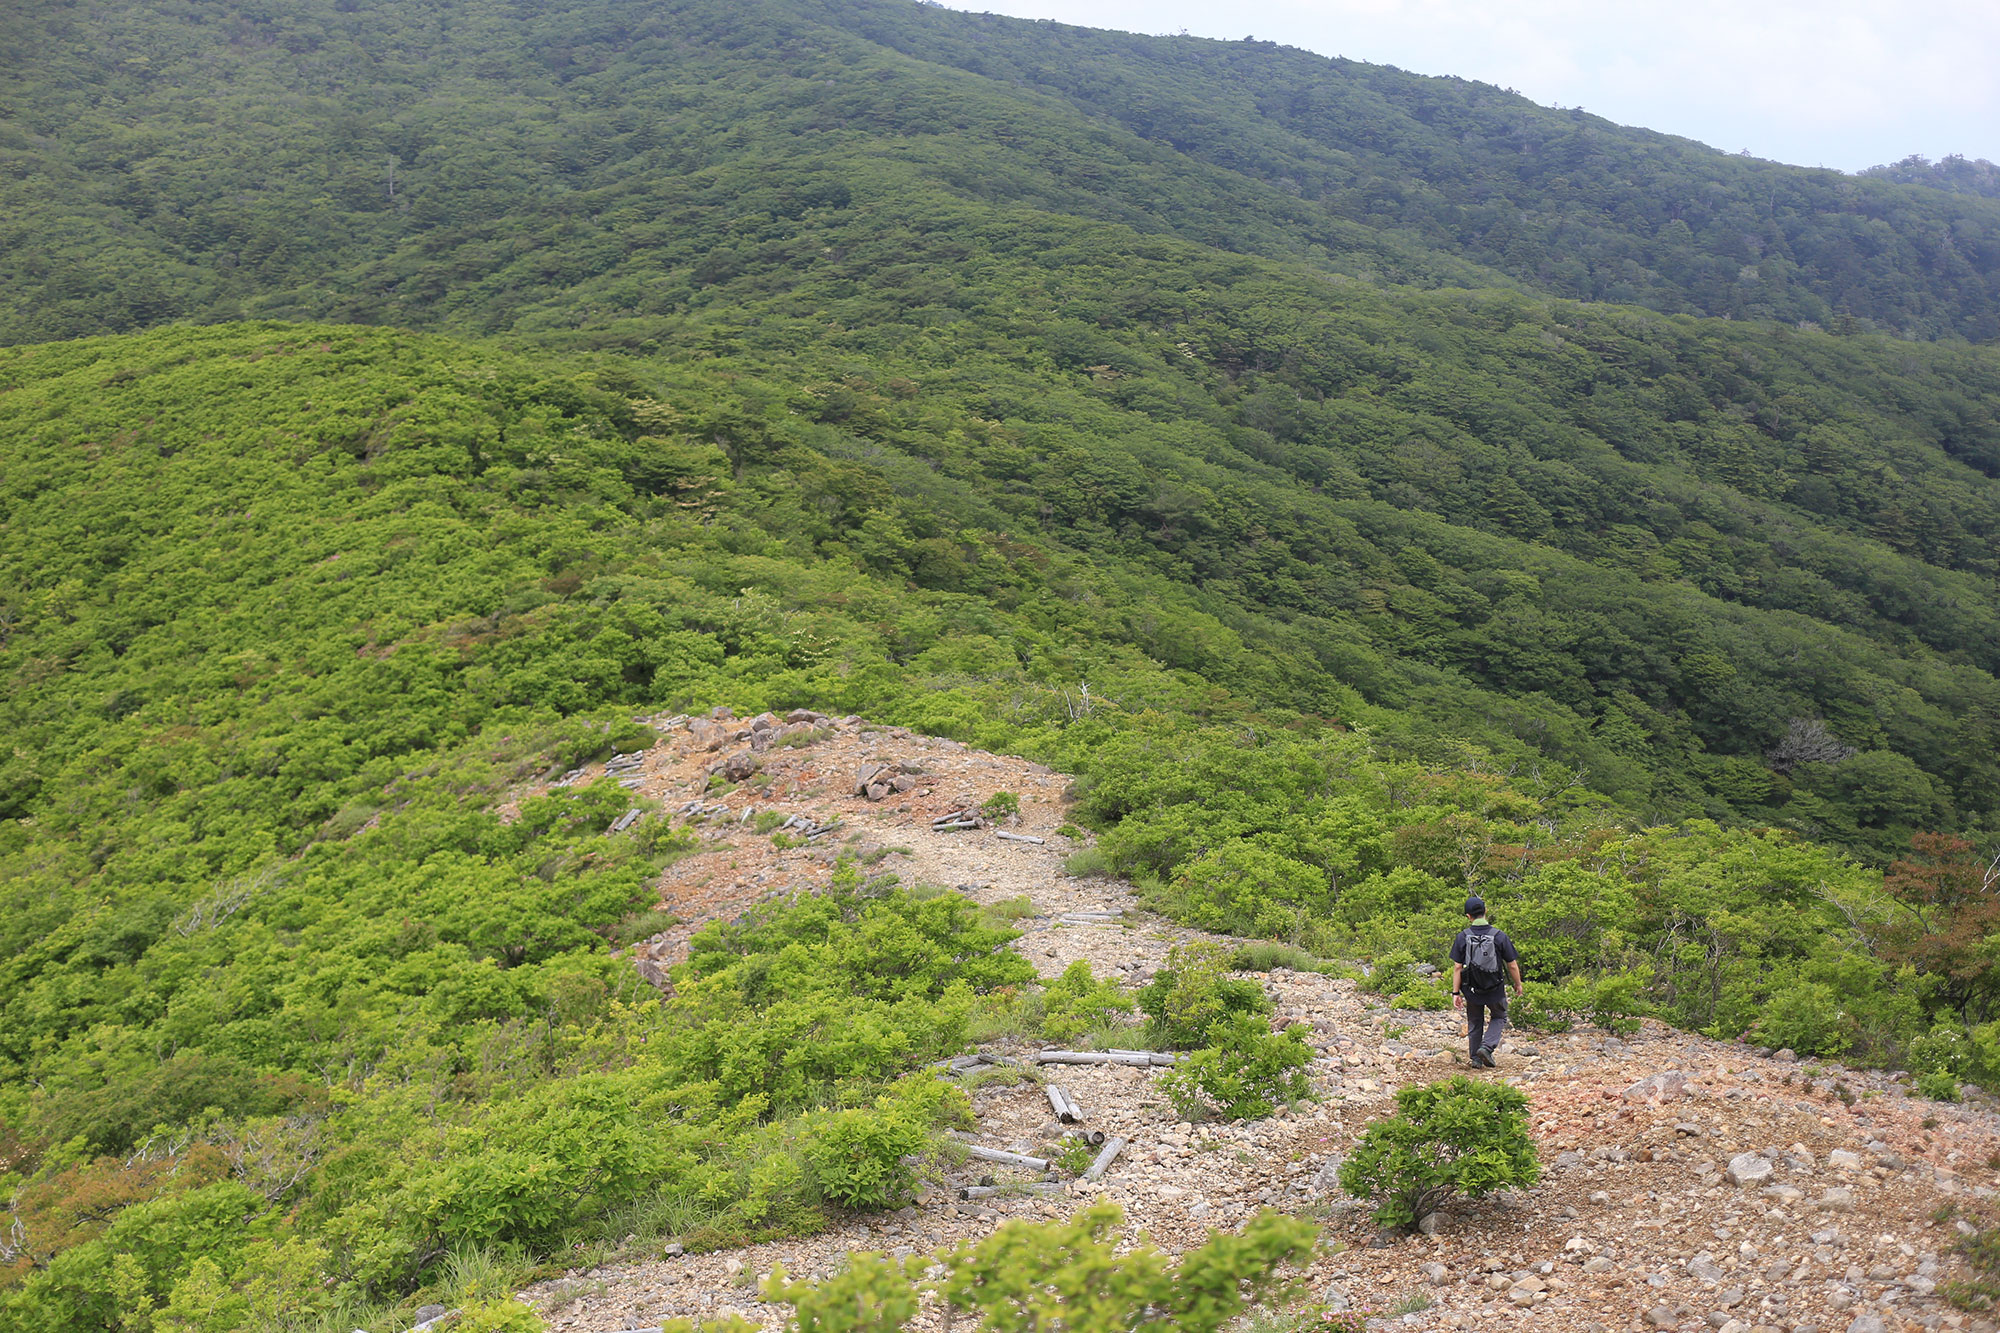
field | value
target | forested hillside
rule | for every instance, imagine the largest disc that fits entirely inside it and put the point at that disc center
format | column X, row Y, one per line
column 466, row 160
column 399, row 400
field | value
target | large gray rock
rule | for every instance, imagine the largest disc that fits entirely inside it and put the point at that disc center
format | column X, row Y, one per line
column 1748, row 1168
column 708, row 736
column 740, row 767
column 1666, row 1086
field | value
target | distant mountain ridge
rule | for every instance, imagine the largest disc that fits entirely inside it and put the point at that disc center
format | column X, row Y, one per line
column 338, row 142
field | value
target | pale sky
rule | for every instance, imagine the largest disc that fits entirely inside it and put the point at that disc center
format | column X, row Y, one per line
column 1837, row 83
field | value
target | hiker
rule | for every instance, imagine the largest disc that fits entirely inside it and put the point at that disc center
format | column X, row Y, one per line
column 1477, row 985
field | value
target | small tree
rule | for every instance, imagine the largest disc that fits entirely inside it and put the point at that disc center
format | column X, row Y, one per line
column 1076, row 1002
column 1193, row 993
column 1453, row 1139
column 1246, row 1071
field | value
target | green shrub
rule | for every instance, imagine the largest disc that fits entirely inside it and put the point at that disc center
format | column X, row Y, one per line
column 1000, row 805
column 1076, row 1003
column 1074, row 1155
column 1610, row 1002
column 1945, row 1049
column 1422, row 993
column 1938, row 1086
column 1268, row 955
column 1087, row 861
column 1457, row 1138
column 1543, row 1007
column 1076, row 1275
column 504, row 1315
column 1807, row 1017
column 1393, row 972
column 1244, row 1074
column 858, row 1156
column 1246, row 889
column 1193, row 993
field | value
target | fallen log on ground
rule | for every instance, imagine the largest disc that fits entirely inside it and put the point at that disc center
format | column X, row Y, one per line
column 1007, row 1158
column 1112, row 1147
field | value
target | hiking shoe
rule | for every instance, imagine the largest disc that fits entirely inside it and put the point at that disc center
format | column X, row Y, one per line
column 1484, row 1055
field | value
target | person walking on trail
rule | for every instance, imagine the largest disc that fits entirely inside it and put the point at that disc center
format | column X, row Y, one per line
column 1478, row 984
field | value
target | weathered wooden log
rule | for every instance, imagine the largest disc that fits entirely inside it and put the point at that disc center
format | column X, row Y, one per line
column 1019, row 837
column 1152, row 1057
column 1136, row 1058
column 1005, row 1158
column 1059, row 1102
column 995, row 1191
column 1112, row 1147
column 947, row 828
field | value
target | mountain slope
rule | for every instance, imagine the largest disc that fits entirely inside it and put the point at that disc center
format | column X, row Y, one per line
column 337, row 147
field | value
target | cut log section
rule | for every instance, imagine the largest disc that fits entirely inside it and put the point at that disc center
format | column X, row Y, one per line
column 1065, row 1107
column 1020, row 837
column 1112, row 1147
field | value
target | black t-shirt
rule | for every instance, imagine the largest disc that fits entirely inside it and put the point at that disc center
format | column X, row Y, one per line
column 1502, row 946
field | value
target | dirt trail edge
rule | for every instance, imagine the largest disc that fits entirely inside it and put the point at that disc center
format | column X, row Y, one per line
column 1640, row 1222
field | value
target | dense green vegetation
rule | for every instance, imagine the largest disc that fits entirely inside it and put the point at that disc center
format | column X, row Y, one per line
column 560, row 166
column 1209, row 419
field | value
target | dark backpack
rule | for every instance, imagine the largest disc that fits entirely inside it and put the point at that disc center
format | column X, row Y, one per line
column 1481, row 968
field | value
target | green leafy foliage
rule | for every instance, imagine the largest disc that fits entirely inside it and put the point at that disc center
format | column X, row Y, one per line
column 1073, row 1275
column 1347, row 561
column 1193, row 994
column 1245, row 1072
column 1076, row 1002
column 1028, row 1276
column 1456, row 1138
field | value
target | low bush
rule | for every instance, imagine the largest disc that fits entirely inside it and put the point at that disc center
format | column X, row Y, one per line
column 1077, row 1275
column 1267, row 956
column 1457, row 1138
column 1076, row 1003
column 1193, row 993
column 1938, row 1087
column 503, row 1315
column 1806, row 1016
column 1243, row 1075
column 1422, row 993
column 1611, row 1003
column 861, row 1158
column 1392, row 973
column 1001, row 805
column 1087, row 861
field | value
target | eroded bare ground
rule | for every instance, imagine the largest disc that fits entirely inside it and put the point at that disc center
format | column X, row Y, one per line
column 1635, row 1224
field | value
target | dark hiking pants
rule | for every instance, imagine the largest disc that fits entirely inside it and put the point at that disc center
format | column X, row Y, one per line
column 1485, row 1018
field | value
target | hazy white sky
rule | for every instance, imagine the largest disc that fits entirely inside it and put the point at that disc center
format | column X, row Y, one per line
column 1837, row 83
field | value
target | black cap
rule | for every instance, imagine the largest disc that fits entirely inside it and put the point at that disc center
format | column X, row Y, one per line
column 1475, row 906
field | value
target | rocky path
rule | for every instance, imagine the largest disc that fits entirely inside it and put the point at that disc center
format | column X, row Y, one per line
column 1688, row 1183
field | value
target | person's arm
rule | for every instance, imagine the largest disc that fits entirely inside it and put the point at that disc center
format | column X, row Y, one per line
column 1457, row 1000
column 1514, row 971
